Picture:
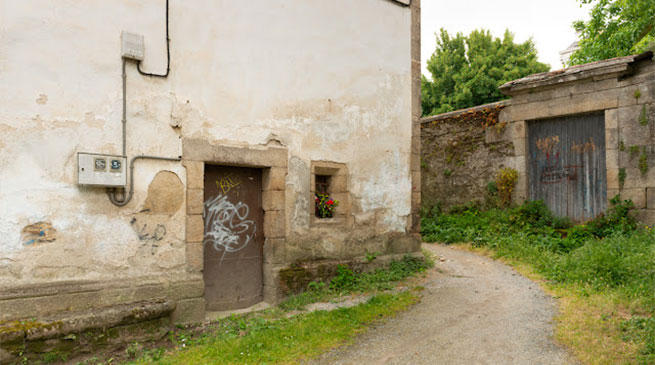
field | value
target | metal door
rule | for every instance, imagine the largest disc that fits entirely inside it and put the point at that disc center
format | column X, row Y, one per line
column 234, row 240
column 567, row 165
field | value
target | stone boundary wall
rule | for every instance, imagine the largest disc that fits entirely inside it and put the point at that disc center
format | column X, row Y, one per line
column 461, row 152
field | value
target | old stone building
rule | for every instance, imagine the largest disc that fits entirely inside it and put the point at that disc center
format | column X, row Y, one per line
column 167, row 156
column 577, row 137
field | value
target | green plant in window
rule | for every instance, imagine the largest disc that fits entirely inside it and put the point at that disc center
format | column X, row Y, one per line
column 325, row 206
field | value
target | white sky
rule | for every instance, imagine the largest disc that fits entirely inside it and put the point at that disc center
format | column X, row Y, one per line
column 548, row 22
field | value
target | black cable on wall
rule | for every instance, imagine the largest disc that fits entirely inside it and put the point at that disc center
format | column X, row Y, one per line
column 168, row 54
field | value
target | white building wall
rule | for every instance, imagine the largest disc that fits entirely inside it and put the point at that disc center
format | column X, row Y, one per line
column 329, row 79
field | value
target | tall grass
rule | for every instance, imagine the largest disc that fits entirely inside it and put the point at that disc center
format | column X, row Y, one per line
column 608, row 255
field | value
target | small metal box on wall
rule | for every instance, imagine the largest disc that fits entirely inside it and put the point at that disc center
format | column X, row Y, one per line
column 101, row 170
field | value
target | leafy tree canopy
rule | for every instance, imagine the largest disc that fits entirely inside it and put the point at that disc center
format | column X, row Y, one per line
column 467, row 70
column 616, row 28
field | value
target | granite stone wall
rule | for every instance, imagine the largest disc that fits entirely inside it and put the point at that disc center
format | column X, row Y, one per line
column 461, row 153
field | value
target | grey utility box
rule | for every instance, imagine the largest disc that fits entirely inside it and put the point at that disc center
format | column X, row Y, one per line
column 132, row 46
column 101, row 170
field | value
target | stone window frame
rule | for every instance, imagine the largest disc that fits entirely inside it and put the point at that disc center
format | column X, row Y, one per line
column 274, row 164
column 338, row 190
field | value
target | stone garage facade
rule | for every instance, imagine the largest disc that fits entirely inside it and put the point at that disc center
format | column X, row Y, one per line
column 618, row 92
column 236, row 116
column 577, row 137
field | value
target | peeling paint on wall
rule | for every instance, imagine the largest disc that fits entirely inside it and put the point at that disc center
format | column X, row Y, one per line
column 165, row 194
column 40, row 232
column 42, row 99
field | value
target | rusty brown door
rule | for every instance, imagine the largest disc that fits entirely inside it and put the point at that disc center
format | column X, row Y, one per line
column 234, row 240
column 567, row 165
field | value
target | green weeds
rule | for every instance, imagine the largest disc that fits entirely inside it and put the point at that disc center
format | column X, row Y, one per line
column 270, row 337
column 347, row 281
column 608, row 255
column 643, row 116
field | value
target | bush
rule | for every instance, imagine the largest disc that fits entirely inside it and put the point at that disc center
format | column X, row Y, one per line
column 533, row 214
column 505, row 181
column 617, row 219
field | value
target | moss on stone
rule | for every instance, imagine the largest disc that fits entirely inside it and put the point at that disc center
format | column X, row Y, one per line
column 26, row 326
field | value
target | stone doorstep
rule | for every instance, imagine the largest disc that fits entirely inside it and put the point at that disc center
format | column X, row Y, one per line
column 67, row 323
column 215, row 315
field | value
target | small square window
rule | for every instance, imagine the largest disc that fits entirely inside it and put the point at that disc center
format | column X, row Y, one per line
column 322, row 184
column 330, row 200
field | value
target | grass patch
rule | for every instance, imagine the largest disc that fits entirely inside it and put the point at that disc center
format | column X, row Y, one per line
column 275, row 336
column 602, row 272
column 347, row 281
column 270, row 337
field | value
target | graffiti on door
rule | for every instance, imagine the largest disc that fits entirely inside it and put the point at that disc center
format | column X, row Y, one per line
column 553, row 172
column 233, row 241
column 567, row 164
column 226, row 225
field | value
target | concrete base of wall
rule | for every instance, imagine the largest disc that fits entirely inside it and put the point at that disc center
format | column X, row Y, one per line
column 71, row 334
column 72, row 318
column 294, row 279
column 42, row 300
column 37, row 319
column 297, row 262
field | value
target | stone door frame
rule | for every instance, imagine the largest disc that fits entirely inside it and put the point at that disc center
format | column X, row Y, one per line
column 274, row 164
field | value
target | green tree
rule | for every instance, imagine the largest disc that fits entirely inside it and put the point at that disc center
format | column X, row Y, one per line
column 616, row 28
column 467, row 70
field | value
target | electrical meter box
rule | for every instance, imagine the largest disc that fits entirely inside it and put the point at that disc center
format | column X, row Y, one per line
column 101, row 170
column 132, row 46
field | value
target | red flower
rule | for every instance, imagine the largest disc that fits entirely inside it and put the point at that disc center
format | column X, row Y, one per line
column 329, row 202
column 317, row 200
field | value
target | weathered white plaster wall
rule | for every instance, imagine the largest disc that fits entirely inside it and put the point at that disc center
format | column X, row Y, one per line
column 329, row 79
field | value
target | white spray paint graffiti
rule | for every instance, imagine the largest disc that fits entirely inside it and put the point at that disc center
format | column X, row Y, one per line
column 226, row 226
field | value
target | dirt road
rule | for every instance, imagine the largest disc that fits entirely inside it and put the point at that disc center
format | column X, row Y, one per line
column 477, row 311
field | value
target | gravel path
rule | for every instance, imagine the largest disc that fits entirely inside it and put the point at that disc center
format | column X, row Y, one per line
column 476, row 311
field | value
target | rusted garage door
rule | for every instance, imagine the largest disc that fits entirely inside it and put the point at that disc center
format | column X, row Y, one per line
column 567, row 165
column 234, row 239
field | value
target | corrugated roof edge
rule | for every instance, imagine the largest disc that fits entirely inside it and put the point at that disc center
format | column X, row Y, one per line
column 619, row 65
column 459, row 112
